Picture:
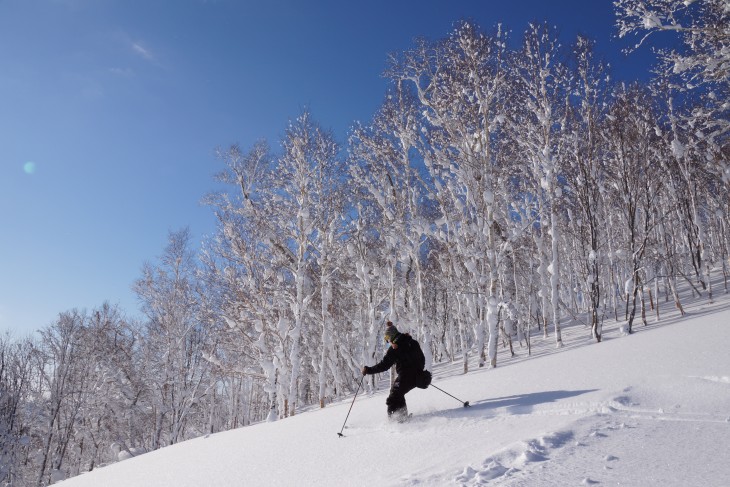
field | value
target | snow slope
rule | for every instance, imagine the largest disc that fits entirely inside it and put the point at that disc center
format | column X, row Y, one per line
column 652, row 408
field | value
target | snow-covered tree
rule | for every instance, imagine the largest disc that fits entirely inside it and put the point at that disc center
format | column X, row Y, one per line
column 115, row 411
column 176, row 339
column 586, row 169
column 16, row 373
column 636, row 182
column 370, row 286
column 249, row 342
column 67, row 379
column 309, row 154
column 537, row 116
column 329, row 184
column 460, row 85
column 699, row 69
column 382, row 167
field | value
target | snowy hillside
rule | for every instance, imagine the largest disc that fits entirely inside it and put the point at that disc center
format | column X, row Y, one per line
column 652, row 408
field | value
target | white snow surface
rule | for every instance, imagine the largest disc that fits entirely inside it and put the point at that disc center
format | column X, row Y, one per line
column 647, row 409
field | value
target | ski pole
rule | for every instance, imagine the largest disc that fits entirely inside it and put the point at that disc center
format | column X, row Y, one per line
column 465, row 403
column 353, row 403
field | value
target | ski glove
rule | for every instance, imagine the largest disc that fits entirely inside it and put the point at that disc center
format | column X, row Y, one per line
column 365, row 370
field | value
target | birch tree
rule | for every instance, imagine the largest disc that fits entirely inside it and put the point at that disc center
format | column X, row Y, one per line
column 700, row 70
column 460, row 86
column 381, row 165
column 309, row 154
column 538, row 113
column 632, row 141
column 587, row 167
column 66, row 379
column 370, row 287
column 251, row 344
column 16, row 373
column 175, row 339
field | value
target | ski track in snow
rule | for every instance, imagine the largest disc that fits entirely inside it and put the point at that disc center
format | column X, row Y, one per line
column 545, row 460
column 723, row 380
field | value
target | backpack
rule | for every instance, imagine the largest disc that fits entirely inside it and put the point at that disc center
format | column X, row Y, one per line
column 423, row 380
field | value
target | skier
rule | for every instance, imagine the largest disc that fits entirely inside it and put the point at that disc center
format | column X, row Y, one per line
column 405, row 353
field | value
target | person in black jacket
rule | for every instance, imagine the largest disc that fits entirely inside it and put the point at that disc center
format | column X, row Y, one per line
column 405, row 353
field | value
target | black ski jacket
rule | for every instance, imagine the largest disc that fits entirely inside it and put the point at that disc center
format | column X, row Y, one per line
column 408, row 358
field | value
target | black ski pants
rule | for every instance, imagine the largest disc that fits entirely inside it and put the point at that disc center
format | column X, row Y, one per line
column 402, row 384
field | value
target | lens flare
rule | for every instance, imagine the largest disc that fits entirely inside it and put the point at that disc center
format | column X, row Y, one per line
column 29, row 167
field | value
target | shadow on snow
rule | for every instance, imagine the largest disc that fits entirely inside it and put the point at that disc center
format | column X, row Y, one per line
column 516, row 404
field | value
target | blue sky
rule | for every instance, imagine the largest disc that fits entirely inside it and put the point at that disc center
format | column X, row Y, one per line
column 110, row 111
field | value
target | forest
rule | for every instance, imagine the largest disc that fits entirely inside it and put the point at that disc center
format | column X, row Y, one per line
column 497, row 194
